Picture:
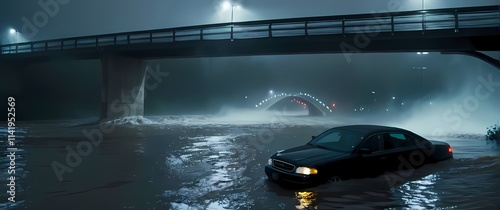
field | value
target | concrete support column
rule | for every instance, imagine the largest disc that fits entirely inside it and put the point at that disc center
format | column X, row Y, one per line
column 123, row 87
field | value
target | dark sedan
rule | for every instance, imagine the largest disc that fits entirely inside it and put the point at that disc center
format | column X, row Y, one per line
column 354, row 151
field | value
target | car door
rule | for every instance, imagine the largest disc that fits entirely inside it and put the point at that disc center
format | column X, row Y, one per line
column 398, row 147
column 374, row 162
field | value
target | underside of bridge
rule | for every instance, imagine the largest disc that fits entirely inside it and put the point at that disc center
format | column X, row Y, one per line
column 123, row 87
column 466, row 31
column 283, row 105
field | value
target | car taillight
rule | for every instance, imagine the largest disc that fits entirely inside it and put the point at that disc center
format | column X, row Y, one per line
column 450, row 150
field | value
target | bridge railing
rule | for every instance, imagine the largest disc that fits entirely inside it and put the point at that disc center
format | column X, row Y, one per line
column 453, row 19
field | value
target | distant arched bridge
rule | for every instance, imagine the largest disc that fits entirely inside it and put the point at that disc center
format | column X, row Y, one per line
column 314, row 105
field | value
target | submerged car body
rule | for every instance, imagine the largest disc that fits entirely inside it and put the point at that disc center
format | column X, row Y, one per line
column 354, row 151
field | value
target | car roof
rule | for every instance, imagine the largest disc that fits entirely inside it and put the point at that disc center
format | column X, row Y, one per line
column 367, row 130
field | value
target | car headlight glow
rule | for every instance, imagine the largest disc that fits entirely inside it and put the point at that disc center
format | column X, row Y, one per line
column 306, row 170
column 270, row 161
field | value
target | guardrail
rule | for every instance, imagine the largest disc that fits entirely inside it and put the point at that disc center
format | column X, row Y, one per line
column 421, row 20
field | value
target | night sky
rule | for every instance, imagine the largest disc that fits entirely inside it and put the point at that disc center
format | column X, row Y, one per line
column 90, row 17
column 56, row 90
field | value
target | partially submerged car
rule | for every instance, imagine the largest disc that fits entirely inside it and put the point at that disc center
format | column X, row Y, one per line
column 354, row 151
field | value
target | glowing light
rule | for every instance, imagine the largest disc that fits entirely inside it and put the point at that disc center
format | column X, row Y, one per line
column 373, row 92
column 334, row 105
column 393, row 98
column 226, row 5
column 306, row 170
column 271, row 92
column 12, row 31
column 246, row 96
column 450, row 150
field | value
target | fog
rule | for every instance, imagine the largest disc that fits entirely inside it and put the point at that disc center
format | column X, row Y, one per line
column 454, row 94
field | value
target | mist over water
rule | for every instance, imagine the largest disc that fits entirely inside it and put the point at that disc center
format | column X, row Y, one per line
column 216, row 162
column 202, row 143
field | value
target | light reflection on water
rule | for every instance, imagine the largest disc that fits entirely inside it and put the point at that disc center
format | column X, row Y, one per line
column 306, row 200
column 419, row 194
column 213, row 167
column 210, row 165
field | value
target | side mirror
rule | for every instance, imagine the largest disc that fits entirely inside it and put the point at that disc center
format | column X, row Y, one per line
column 365, row 151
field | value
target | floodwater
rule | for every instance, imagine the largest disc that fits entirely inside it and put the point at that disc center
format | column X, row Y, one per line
column 196, row 162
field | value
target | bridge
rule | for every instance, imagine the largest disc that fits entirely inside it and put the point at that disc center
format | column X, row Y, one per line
column 467, row 30
column 279, row 102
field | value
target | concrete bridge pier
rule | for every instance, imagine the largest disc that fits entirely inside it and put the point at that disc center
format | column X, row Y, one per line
column 123, row 87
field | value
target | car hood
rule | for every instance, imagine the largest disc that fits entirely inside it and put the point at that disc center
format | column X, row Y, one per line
column 307, row 155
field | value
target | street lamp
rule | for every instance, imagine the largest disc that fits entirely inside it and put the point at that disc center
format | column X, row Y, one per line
column 421, row 68
column 14, row 31
column 227, row 5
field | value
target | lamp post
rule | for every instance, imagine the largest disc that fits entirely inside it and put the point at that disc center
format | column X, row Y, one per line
column 421, row 68
column 232, row 12
column 227, row 5
column 14, row 31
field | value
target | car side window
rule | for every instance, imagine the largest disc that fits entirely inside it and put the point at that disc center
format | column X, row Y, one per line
column 398, row 140
column 374, row 143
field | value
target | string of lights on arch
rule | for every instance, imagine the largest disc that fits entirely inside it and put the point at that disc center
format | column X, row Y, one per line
column 276, row 98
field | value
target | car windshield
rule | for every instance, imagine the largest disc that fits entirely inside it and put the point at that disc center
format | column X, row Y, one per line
column 337, row 140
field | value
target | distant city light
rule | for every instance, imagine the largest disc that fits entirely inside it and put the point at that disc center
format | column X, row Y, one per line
column 246, row 96
column 271, row 92
column 422, row 53
column 393, row 98
column 12, row 31
column 373, row 92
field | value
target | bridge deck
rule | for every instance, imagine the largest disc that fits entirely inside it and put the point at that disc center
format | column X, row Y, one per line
column 449, row 29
